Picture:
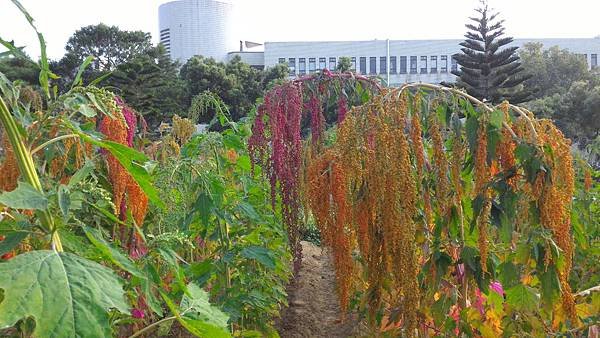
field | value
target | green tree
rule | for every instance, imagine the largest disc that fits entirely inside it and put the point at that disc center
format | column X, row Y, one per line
column 201, row 74
column 489, row 71
column 151, row 85
column 275, row 74
column 235, row 82
column 576, row 112
column 247, row 87
column 16, row 68
column 344, row 64
column 552, row 70
column 564, row 90
column 109, row 45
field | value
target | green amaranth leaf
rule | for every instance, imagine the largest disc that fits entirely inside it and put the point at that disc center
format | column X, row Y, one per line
column 550, row 286
column 113, row 254
column 25, row 196
column 262, row 255
column 81, row 174
column 522, row 298
column 11, row 240
column 133, row 161
column 197, row 327
column 64, row 201
column 67, row 295
column 197, row 306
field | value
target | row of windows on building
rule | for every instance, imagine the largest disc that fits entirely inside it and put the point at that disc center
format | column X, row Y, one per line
column 165, row 38
column 593, row 59
column 406, row 65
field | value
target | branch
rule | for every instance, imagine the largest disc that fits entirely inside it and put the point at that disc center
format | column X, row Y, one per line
column 49, row 142
column 587, row 292
column 454, row 91
column 149, row 327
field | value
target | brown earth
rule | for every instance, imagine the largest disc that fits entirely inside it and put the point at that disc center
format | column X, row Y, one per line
column 313, row 309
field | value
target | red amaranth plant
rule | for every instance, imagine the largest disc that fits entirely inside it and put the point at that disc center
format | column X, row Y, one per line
column 276, row 141
column 127, row 193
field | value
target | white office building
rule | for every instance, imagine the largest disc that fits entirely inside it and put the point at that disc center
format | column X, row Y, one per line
column 196, row 27
column 397, row 61
column 203, row 27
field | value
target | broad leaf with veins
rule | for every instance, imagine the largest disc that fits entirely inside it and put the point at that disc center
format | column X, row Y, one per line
column 68, row 296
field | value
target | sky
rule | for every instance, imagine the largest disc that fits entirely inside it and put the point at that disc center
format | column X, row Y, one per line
column 308, row 20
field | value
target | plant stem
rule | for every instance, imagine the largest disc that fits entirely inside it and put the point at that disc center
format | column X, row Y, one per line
column 588, row 292
column 27, row 170
column 151, row 326
column 454, row 91
column 49, row 142
column 224, row 230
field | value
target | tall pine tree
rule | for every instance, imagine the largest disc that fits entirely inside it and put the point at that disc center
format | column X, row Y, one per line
column 488, row 71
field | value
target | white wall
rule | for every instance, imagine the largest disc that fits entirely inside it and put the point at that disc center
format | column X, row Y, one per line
column 198, row 27
column 398, row 48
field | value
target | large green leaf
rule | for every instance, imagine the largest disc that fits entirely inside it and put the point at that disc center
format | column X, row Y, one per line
column 88, row 60
column 522, row 298
column 550, row 286
column 211, row 324
column 68, row 296
column 136, row 164
column 25, row 196
column 197, row 306
column 11, row 241
column 113, row 254
column 262, row 255
column 64, row 201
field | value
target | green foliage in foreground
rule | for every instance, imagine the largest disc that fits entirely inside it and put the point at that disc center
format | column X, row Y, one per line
column 214, row 261
column 69, row 296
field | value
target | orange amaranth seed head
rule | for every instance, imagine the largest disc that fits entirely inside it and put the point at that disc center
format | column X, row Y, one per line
column 115, row 130
column 9, row 170
column 482, row 177
column 587, row 180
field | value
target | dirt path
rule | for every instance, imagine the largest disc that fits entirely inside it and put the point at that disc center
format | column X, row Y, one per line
column 314, row 310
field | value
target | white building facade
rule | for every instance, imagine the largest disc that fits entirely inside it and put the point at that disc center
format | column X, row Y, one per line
column 196, row 27
column 398, row 61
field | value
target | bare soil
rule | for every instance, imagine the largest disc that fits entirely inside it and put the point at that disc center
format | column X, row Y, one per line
column 314, row 309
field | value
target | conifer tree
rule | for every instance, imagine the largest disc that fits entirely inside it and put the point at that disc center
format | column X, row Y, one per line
column 487, row 70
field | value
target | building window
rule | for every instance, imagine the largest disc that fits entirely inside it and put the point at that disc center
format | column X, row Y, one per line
column 353, row 62
column 423, row 64
column 582, row 56
column 413, row 64
column 594, row 60
column 292, row 66
column 322, row 63
column 433, row 66
column 444, row 63
column 165, row 39
column 372, row 65
column 302, row 66
column 312, row 65
column 392, row 65
column 403, row 65
column 454, row 64
column 332, row 63
column 281, row 60
column 383, row 65
column 363, row 65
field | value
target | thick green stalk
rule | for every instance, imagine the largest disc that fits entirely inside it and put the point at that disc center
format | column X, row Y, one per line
column 27, row 169
column 225, row 229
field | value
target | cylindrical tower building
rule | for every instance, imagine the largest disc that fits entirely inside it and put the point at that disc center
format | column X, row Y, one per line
column 196, row 27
